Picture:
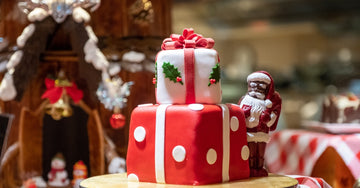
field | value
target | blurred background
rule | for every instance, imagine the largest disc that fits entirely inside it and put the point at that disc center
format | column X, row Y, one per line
column 309, row 46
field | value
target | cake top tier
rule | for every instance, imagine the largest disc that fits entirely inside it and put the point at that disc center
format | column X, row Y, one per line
column 187, row 70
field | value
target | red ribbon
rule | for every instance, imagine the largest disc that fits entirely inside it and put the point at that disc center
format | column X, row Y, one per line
column 188, row 41
column 54, row 92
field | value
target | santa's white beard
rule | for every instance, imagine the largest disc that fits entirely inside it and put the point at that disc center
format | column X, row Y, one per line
column 257, row 107
column 257, row 94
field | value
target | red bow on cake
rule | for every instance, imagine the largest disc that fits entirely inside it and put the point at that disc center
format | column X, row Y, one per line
column 188, row 39
column 55, row 90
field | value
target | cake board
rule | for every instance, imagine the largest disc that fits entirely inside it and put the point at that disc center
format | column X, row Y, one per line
column 120, row 181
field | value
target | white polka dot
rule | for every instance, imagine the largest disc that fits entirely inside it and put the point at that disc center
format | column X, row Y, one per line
column 211, row 156
column 245, row 152
column 234, row 123
column 179, row 153
column 133, row 177
column 196, row 107
column 139, row 134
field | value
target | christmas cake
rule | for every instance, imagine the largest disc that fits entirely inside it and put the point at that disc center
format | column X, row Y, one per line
column 187, row 138
column 341, row 109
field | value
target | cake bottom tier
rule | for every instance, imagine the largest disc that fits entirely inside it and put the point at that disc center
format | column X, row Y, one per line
column 192, row 144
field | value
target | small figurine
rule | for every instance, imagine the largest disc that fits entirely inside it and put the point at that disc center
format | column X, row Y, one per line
column 58, row 176
column 79, row 173
column 261, row 106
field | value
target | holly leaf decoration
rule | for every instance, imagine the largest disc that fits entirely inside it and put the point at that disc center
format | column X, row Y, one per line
column 155, row 80
column 214, row 75
column 172, row 72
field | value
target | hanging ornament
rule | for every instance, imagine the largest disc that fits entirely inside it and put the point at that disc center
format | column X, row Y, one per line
column 142, row 12
column 112, row 93
column 117, row 120
column 59, row 92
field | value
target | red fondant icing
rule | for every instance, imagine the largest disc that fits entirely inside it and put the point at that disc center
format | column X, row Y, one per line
column 189, row 60
column 197, row 132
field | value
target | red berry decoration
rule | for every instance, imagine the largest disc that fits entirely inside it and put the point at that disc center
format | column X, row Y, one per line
column 212, row 81
column 154, row 81
column 178, row 79
column 117, row 121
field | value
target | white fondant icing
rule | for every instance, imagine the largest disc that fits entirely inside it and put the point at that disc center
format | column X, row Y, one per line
column 133, row 177
column 139, row 134
column 169, row 92
column 27, row 32
column 91, row 34
column 179, row 153
column 258, row 137
column 196, row 107
column 160, row 143
column 258, row 76
column 135, row 57
column 245, row 152
column 14, row 59
column 234, row 123
column 226, row 142
column 211, row 156
column 147, row 104
column 80, row 15
column 94, row 55
column 114, row 69
column 38, row 14
column 7, row 88
column 117, row 165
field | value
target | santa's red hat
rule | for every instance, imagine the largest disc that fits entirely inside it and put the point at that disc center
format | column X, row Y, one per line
column 263, row 76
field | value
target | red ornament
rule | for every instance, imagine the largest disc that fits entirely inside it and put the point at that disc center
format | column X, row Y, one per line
column 154, row 81
column 212, row 81
column 178, row 79
column 117, row 121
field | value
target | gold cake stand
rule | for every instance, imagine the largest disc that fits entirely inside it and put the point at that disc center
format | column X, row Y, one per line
column 120, row 181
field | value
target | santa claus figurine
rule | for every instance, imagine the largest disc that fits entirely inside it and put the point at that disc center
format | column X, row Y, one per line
column 261, row 106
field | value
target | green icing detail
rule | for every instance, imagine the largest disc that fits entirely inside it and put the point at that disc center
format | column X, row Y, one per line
column 171, row 72
column 215, row 74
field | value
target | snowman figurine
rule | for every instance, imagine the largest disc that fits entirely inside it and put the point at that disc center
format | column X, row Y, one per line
column 58, row 176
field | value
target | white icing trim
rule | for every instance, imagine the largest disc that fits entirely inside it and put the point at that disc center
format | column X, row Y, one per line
column 94, row 55
column 38, row 14
column 7, row 89
column 226, row 143
column 257, row 76
column 91, row 33
column 27, row 32
column 160, row 143
column 133, row 56
column 258, row 137
column 80, row 15
column 14, row 59
column 147, row 104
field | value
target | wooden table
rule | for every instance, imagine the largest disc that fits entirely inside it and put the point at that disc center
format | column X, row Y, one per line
column 120, row 181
